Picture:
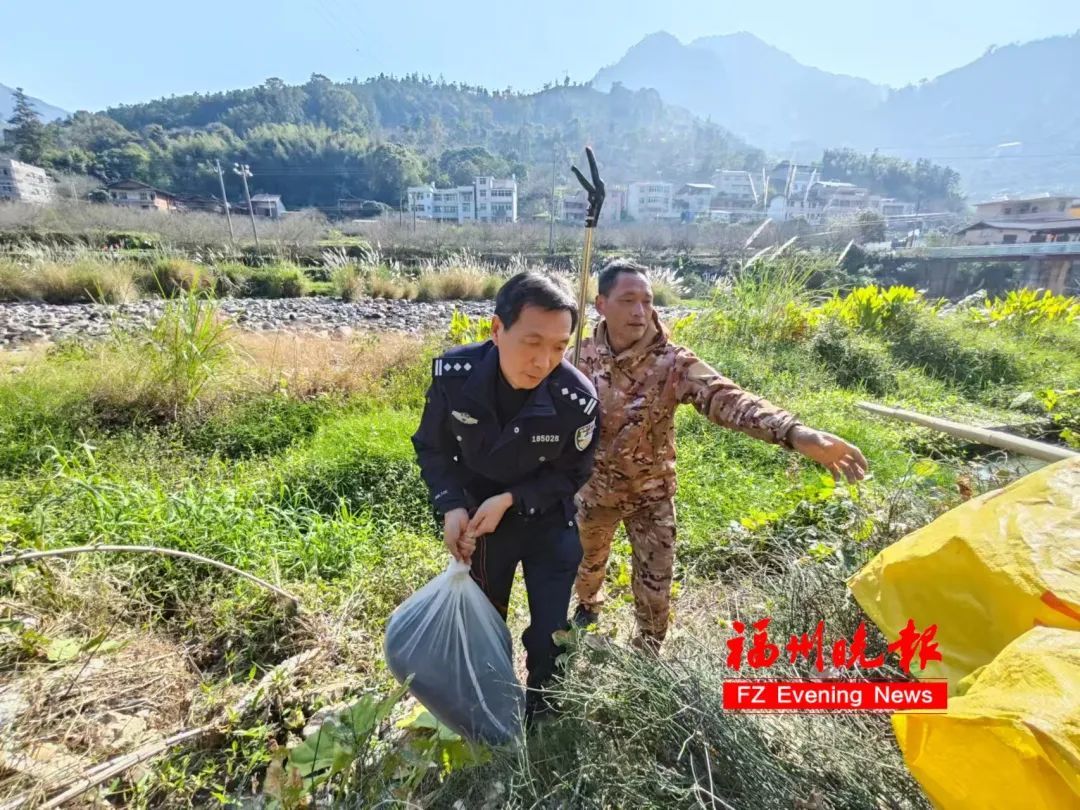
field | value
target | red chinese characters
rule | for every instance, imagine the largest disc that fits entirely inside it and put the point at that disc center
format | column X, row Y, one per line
column 844, row 654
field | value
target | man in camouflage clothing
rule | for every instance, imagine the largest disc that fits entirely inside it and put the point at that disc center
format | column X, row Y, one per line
column 640, row 379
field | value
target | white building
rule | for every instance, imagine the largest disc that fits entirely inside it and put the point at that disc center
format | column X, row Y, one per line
column 1045, row 207
column 694, row 200
column 735, row 188
column 487, row 200
column 21, row 182
column 649, row 201
column 791, row 180
column 270, row 206
column 572, row 207
column 889, row 207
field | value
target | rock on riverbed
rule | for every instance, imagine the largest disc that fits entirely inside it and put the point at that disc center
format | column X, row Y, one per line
column 22, row 323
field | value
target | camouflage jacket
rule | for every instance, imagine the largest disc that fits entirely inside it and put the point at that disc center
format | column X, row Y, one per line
column 639, row 390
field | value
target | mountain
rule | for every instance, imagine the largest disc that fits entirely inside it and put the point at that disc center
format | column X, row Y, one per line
column 321, row 141
column 7, row 106
column 1019, row 93
column 752, row 88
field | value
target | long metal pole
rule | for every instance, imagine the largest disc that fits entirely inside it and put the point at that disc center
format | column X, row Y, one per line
column 251, row 211
column 551, row 216
column 225, row 202
column 993, row 438
column 583, row 291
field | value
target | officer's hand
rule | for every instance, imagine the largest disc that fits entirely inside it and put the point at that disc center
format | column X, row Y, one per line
column 455, row 525
column 487, row 517
column 831, row 452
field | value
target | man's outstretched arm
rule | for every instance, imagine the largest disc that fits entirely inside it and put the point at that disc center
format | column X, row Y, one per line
column 725, row 403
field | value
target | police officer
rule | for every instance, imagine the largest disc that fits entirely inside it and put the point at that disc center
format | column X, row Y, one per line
column 506, row 439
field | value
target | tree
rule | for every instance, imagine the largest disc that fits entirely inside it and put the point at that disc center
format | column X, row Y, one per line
column 31, row 138
column 871, row 227
column 391, row 168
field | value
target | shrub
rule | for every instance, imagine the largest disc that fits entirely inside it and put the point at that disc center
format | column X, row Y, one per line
column 171, row 276
column 184, row 350
column 1021, row 309
column 856, row 361
column 872, row 308
column 276, row 281
column 952, row 355
column 348, row 283
column 84, row 281
column 765, row 300
column 261, row 426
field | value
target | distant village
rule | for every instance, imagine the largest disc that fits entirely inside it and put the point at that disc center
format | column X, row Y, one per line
column 789, row 192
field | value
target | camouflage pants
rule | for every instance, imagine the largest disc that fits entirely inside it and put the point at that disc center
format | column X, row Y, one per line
column 652, row 538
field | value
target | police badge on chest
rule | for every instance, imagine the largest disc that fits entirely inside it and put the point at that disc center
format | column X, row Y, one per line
column 546, row 438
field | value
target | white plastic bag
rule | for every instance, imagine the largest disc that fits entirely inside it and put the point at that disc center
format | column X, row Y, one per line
column 457, row 649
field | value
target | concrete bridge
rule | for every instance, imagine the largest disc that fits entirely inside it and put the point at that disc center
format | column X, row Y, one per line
column 1048, row 264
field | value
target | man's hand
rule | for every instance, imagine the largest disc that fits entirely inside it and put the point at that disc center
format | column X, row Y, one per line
column 831, row 452
column 487, row 517
column 455, row 535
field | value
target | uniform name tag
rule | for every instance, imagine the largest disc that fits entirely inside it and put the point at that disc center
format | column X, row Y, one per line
column 546, row 437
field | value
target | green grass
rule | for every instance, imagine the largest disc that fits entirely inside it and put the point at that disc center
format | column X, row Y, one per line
column 169, row 439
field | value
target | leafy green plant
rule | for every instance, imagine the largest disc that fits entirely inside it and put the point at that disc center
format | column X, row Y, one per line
column 172, row 276
column 855, row 360
column 871, row 308
column 1063, row 406
column 1020, row 309
column 185, row 348
column 356, row 758
column 464, row 329
column 766, row 300
column 276, row 281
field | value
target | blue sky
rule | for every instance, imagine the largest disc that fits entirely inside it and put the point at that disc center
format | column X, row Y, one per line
column 83, row 55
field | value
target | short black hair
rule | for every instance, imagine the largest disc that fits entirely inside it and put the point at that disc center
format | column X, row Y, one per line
column 537, row 290
column 610, row 274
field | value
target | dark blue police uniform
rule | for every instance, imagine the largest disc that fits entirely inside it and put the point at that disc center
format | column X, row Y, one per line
column 543, row 455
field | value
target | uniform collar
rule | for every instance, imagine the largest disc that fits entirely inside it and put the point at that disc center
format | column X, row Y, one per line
column 480, row 385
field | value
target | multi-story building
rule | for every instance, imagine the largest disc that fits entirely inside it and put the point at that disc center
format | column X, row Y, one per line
column 889, row 207
column 571, row 207
column 791, row 180
column 1058, row 206
column 488, row 199
column 22, row 182
column 649, row 201
column 735, row 189
column 694, row 201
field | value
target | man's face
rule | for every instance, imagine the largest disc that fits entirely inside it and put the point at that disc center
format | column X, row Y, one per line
column 628, row 308
column 533, row 346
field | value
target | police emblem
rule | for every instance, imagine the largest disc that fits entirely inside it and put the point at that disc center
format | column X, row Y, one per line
column 464, row 417
column 584, row 435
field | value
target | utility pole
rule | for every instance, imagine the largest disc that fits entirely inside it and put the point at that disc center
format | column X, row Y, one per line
column 225, row 202
column 244, row 171
column 551, row 216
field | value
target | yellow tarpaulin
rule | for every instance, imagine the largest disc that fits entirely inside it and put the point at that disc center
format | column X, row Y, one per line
column 985, row 573
column 1012, row 739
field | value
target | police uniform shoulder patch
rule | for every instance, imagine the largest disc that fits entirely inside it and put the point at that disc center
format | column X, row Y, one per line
column 577, row 397
column 583, row 435
column 451, row 366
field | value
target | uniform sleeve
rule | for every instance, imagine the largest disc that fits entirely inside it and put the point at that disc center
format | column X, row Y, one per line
column 726, row 404
column 435, row 448
column 558, row 479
